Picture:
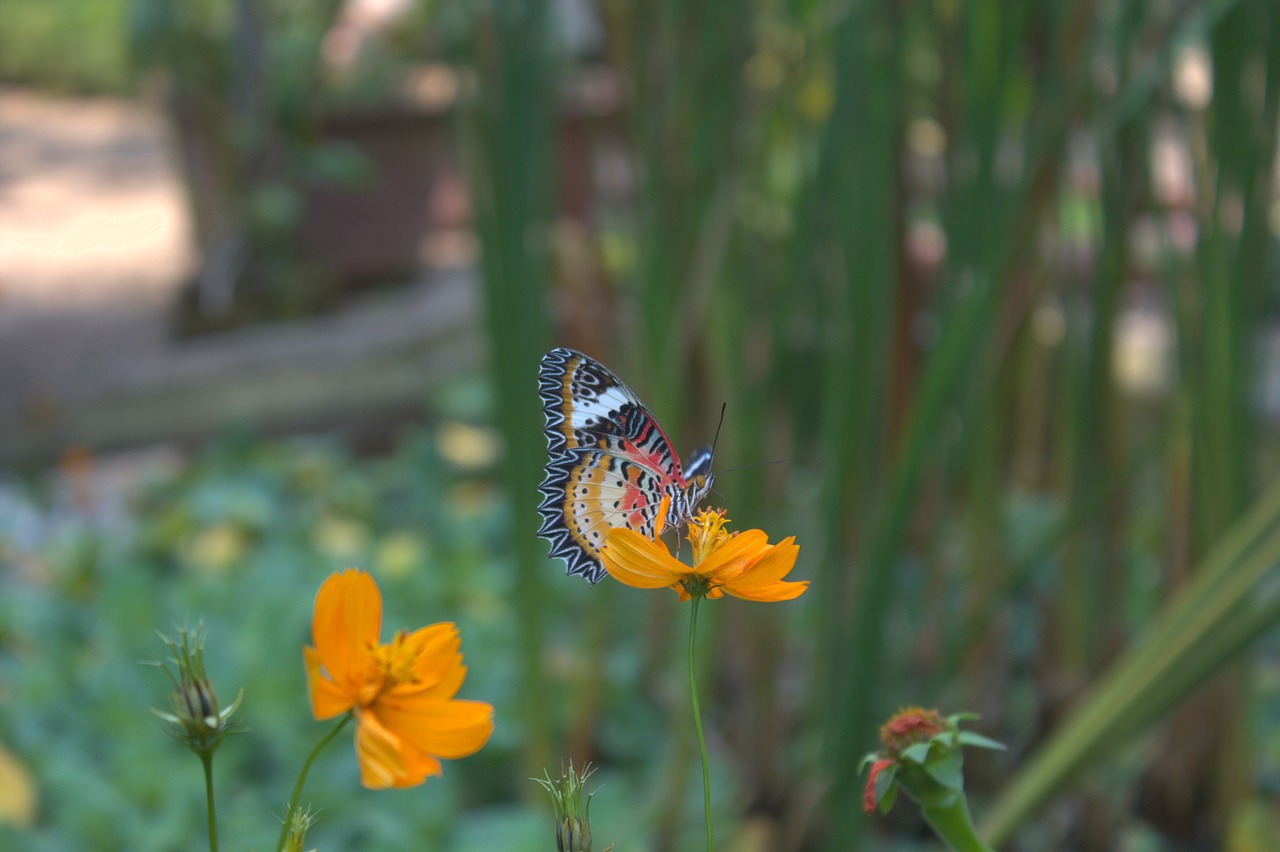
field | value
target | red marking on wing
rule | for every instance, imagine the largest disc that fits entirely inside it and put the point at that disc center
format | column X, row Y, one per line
column 654, row 459
column 635, row 500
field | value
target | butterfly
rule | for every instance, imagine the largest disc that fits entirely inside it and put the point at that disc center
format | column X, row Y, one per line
column 609, row 463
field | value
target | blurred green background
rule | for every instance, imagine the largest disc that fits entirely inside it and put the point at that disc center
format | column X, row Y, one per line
column 995, row 281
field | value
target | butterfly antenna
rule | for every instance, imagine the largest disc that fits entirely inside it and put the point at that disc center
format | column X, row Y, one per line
column 716, row 439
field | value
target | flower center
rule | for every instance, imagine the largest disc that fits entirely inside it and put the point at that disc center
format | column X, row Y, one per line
column 910, row 725
column 707, row 534
column 395, row 662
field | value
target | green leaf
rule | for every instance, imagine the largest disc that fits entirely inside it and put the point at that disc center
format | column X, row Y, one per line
column 885, row 780
column 969, row 738
column 918, row 753
column 947, row 770
column 886, row 789
column 949, row 740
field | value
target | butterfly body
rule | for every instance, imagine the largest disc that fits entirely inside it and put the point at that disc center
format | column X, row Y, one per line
column 610, row 463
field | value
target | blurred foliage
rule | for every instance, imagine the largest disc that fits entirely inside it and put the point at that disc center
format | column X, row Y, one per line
column 240, row 539
column 994, row 281
column 998, row 283
column 68, row 46
column 509, row 130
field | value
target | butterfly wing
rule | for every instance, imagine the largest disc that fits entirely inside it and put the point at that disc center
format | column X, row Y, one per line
column 609, row 462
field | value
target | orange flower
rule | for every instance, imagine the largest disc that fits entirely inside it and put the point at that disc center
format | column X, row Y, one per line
column 401, row 693
column 743, row 564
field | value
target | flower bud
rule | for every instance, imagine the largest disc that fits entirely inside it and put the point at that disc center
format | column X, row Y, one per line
column 921, row 753
column 573, row 827
column 196, row 718
column 299, row 823
column 573, row 834
column 910, row 725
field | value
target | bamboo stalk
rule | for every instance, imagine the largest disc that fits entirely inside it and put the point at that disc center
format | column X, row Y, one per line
column 510, row 131
column 1197, row 619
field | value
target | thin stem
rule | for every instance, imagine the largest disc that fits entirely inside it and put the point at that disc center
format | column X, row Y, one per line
column 302, row 777
column 697, row 720
column 206, row 757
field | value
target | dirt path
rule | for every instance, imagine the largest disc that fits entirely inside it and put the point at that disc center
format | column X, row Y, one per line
column 93, row 248
column 93, row 245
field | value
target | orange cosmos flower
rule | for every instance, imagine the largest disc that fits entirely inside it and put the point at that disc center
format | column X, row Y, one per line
column 401, row 693
column 742, row 564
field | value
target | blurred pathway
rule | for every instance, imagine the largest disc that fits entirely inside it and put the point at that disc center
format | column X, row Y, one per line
column 92, row 244
column 93, row 248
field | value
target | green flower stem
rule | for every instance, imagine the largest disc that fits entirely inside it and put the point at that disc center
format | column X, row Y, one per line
column 206, row 757
column 302, row 777
column 949, row 818
column 697, row 721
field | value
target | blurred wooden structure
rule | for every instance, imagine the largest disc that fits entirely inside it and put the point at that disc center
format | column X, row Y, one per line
column 362, row 370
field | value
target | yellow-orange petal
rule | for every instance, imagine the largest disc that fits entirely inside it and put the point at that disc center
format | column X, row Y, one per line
column 327, row 700
column 763, row 580
column 378, row 751
column 448, row 729
column 771, row 566
column 387, row 758
column 345, row 625
column 634, row 560
column 780, row 591
column 417, row 766
column 660, row 519
column 732, row 558
column 438, row 664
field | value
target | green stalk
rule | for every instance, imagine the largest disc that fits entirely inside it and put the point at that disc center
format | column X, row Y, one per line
column 206, row 758
column 1196, row 633
column 1205, row 661
column 302, row 777
column 1019, row 573
column 950, row 820
column 852, row 201
column 510, row 147
column 697, row 720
